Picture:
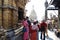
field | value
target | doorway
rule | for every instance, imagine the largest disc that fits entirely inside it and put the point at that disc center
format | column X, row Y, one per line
column 20, row 13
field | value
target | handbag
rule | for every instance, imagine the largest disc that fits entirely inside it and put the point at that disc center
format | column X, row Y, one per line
column 24, row 29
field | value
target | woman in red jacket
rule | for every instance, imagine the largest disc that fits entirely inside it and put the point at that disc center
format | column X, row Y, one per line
column 43, row 28
column 33, row 31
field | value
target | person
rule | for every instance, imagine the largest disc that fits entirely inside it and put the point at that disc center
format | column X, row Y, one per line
column 43, row 29
column 29, row 23
column 33, row 31
column 26, row 33
column 38, row 24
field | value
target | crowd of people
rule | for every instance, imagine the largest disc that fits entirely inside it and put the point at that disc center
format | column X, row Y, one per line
column 31, row 29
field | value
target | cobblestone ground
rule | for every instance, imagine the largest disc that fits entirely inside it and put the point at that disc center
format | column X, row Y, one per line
column 51, row 35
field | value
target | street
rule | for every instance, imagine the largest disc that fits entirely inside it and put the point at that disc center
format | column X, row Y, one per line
column 51, row 35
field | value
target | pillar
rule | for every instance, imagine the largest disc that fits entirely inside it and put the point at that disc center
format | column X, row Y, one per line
column 9, row 14
column 46, row 5
column 59, row 16
column 0, row 13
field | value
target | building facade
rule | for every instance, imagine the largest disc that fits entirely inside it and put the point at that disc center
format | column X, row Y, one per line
column 11, row 11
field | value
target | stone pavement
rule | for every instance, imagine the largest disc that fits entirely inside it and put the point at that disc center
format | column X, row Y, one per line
column 51, row 35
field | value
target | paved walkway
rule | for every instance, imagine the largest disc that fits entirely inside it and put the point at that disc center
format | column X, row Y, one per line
column 51, row 35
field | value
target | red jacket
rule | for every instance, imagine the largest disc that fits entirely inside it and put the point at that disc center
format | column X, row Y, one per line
column 30, row 30
column 43, row 24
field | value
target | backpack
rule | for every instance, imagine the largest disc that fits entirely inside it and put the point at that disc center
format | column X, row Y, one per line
column 34, row 27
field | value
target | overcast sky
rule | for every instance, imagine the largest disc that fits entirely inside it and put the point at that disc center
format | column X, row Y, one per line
column 39, row 7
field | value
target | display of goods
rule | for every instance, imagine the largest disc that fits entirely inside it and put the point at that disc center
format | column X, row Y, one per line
column 7, row 21
column 0, row 17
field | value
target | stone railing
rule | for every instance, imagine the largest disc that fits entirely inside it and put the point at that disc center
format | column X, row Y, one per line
column 18, row 32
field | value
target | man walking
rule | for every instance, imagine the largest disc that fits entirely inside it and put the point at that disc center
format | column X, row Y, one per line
column 43, row 29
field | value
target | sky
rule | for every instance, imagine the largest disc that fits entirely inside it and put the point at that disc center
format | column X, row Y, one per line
column 38, row 6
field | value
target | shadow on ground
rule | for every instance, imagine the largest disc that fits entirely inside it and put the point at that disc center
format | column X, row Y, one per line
column 49, row 38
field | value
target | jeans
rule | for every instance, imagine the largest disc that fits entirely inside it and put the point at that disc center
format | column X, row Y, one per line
column 43, row 36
